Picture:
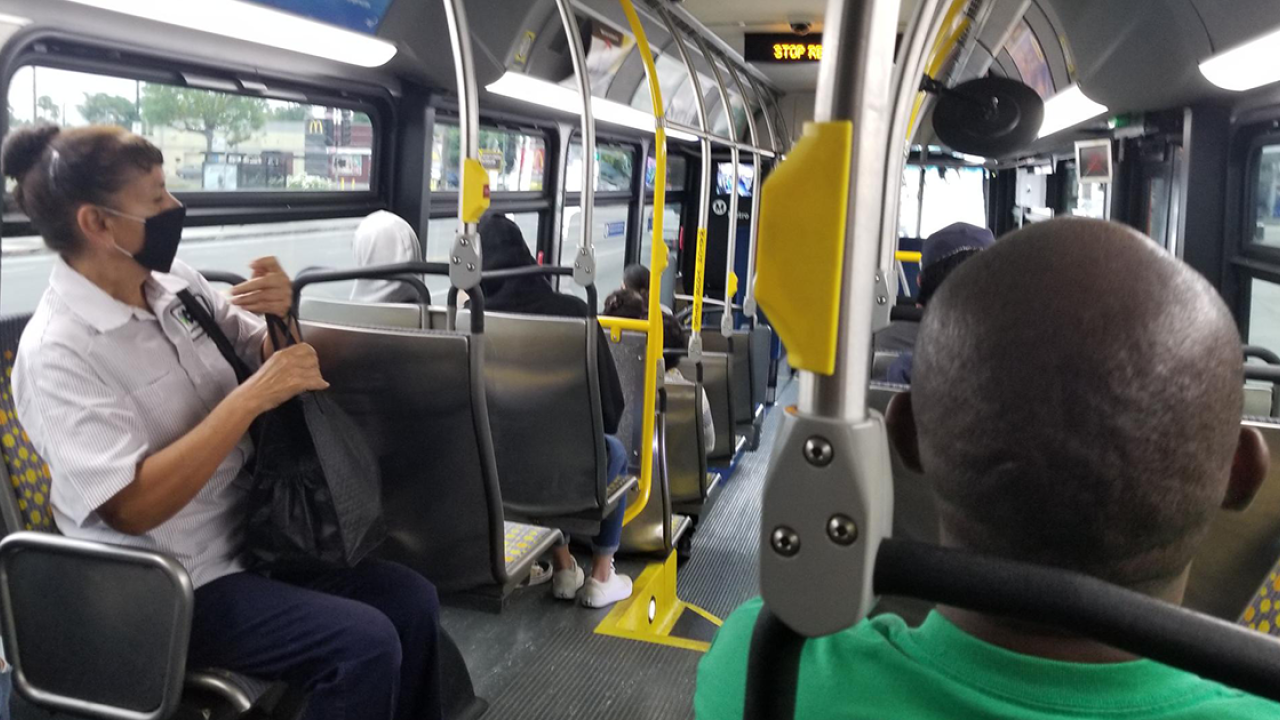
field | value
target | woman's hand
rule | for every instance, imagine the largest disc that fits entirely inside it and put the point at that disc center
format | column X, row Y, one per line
column 286, row 374
column 268, row 292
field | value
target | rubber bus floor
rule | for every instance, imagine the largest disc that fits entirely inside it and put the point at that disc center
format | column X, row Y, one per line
column 540, row 659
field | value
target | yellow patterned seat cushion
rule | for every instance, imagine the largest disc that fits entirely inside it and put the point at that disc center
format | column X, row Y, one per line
column 28, row 472
column 1263, row 613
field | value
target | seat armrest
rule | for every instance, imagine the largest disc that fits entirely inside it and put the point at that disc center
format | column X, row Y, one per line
column 95, row 630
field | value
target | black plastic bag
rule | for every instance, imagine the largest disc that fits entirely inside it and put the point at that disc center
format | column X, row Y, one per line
column 317, row 491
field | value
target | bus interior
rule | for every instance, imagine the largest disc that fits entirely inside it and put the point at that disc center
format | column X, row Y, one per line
column 1163, row 115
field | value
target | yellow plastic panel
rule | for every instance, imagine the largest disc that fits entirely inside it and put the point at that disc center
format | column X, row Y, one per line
column 475, row 191
column 800, row 255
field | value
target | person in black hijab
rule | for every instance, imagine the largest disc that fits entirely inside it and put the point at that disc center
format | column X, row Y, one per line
column 504, row 247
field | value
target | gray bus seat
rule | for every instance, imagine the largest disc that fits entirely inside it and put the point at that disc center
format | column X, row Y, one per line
column 64, row 670
column 344, row 312
column 656, row 530
column 419, row 397
column 628, row 356
column 717, row 374
column 915, row 516
column 1241, row 547
column 138, row 603
column 738, row 347
column 1258, row 400
column 761, row 361
column 693, row 489
column 542, row 383
column 880, row 363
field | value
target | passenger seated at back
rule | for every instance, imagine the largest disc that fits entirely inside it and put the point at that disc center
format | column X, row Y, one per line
column 635, row 277
column 630, row 304
column 384, row 238
column 503, row 247
column 1063, row 424
column 942, row 253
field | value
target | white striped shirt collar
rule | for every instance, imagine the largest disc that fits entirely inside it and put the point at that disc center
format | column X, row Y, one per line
column 96, row 306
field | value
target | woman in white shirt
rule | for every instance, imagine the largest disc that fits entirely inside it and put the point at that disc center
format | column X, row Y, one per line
column 145, row 430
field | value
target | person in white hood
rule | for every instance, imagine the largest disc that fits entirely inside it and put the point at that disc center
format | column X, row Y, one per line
column 384, row 238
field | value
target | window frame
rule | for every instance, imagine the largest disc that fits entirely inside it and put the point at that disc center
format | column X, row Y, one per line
column 1245, row 245
column 1249, row 260
column 77, row 53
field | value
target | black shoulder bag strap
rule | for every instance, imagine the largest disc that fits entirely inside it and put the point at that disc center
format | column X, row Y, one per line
column 773, row 670
column 202, row 317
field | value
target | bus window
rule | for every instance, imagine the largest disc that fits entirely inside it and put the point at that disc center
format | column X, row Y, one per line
column 670, row 231
column 1266, row 216
column 952, row 195
column 1264, row 314
column 609, row 235
column 441, row 232
column 909, row 203
column 613, row 168
column 24, row 272
column 212, row 141
column 676, row 165
column 516, row 162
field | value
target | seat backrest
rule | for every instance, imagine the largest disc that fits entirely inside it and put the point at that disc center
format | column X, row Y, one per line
column 25, row 472
column 628, row 356
column 685, row 444
column 761, row 347
column 1258, row 400
column 1241, row 547
column 880, row 363
column 138, row 604
column 738, row 347
column 717, row 372
column 344, row 312
column 542, row 381
column 915, row 514
column 414, row 392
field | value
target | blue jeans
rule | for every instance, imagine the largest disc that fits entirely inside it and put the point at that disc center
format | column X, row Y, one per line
column 361, row 642
column 606, row 543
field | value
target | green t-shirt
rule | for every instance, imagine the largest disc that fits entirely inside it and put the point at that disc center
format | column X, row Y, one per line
column 883, row 669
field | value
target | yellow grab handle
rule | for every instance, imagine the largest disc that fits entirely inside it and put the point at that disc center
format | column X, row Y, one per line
column 800, row 247
column 475, row 191
column 657, row 264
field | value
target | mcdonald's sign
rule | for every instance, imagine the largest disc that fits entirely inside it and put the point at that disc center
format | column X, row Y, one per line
column 318, row 139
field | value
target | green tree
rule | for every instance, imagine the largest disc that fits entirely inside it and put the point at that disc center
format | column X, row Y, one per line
column 209, row 113
column 104, row 109
column 47, row 109
column 292, row 111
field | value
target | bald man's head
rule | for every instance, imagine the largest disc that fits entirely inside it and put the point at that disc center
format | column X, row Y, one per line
column 1077, row 395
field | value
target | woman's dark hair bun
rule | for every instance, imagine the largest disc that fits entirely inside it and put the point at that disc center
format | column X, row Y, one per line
column 24, row 148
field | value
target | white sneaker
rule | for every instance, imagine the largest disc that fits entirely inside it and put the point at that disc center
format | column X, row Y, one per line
column 566, row 583
column 597, row 594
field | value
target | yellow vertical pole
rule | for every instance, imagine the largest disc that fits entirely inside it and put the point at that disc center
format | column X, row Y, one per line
column 657, row 265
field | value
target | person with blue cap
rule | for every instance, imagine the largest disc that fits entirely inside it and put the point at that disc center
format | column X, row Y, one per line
column 943, row 252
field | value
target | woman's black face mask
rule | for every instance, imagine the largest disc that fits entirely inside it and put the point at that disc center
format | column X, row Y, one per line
column 163, row 232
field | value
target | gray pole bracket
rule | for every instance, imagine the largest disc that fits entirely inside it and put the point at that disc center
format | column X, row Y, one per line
column 695, row 348
column 584, row 266
column 464, row 261
column 884, row 298
column 828, row 502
